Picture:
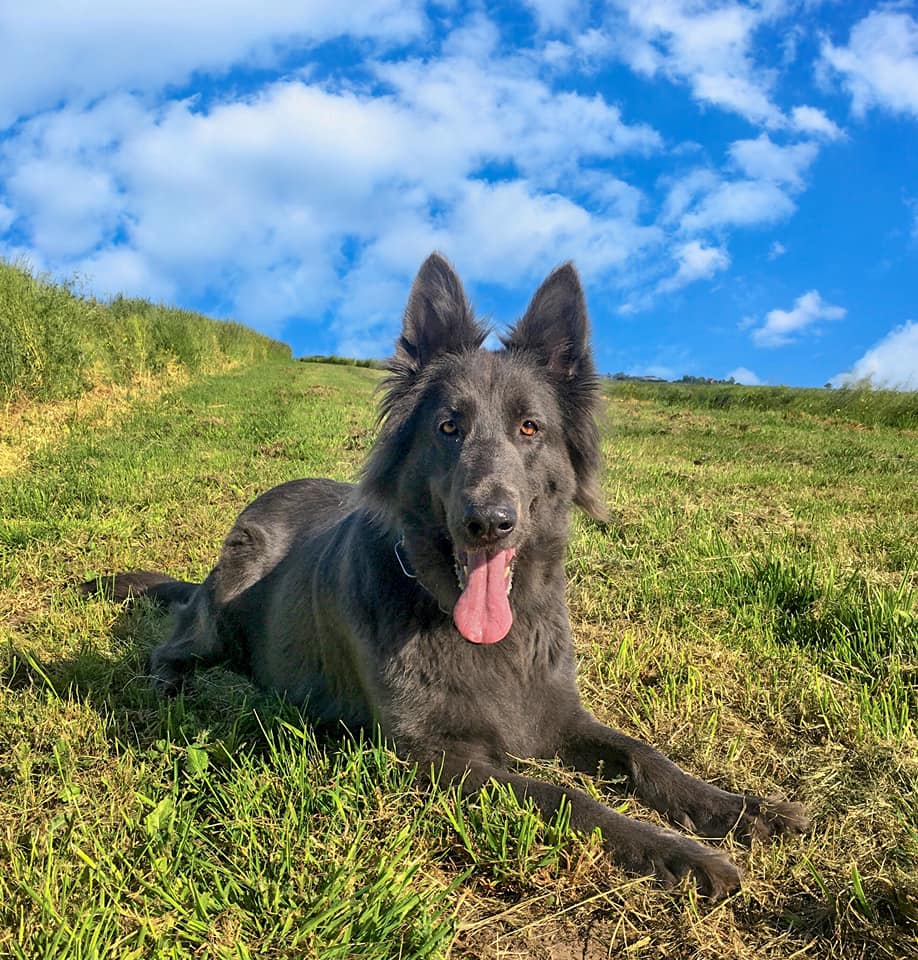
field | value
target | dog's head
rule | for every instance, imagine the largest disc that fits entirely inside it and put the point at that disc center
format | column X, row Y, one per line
column 480, row 453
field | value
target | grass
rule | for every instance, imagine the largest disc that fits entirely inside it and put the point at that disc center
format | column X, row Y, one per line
column 750, row 609
column 57, row 342
column 860, row 403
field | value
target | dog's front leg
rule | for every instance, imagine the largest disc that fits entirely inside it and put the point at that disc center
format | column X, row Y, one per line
column 697, row 806
column 640, row 848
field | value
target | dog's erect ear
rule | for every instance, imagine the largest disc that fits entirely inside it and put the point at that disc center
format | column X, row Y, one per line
column 438, row 318
column 555, row 325
column 555, row 330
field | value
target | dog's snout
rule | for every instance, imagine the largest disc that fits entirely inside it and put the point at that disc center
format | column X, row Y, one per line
column 489, row 523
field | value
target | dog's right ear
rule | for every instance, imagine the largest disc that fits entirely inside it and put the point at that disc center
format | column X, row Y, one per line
column 438, row 321
column 438, row 318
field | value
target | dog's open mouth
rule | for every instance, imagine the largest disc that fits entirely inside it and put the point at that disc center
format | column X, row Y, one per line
column 482, row 612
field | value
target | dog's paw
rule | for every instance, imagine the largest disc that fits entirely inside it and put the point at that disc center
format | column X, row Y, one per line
column 166, row 678
column 669, row 858
column 763, row 819
column 708, row 811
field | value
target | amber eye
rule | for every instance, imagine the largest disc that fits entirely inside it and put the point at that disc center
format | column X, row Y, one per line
column 449, row 427
column 529, row 428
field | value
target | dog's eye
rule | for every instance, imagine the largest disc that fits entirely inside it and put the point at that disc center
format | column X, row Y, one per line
column 529, row 428
column 449, row 427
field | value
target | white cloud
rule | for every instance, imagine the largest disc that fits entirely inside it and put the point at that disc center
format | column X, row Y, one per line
column 696, row 262
column 503, row 110
column 892, row 363
column 661, row 370
column 777, row 249
column 119, row 268
column 684, row 191
column 501, row 233
column 879, row 66
column 781, row 326
column 705, row 43
column 313, row 200
column 476, row 38
column 554, row 13
column 704, row 200
column 57, row 52
column 761, row 159
column 744, row 376
column 610, row 195
column 814, row 122
column 556, row 54
column 84, row 210
column 593, row 44
column 506, row 230
column 740, row 203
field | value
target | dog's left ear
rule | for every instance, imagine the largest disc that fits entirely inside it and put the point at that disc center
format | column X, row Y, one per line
column 555, row 325
column 555, row 329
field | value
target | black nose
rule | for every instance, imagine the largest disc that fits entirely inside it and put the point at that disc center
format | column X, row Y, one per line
column 489, row 523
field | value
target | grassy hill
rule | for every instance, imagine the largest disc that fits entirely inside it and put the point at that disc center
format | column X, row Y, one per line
column 750, row 609
column 55, row 342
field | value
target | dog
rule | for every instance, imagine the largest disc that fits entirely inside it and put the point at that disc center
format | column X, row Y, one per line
column 429, row 598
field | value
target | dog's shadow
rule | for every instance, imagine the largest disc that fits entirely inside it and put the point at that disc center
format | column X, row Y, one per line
column 216, row 707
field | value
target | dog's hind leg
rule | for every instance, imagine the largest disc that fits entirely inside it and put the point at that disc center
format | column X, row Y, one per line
column 134, row 584
column 195, row 639
column 210, row 626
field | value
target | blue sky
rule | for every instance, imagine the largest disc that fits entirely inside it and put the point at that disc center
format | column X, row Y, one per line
column 736, row 181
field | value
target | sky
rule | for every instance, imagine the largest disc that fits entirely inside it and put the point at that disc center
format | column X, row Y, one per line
column 737, row 182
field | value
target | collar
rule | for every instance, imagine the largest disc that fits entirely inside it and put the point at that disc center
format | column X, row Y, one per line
column 406, row 569
column 411, row 576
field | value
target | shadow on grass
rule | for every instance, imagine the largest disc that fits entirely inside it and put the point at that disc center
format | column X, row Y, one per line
column 216, row 706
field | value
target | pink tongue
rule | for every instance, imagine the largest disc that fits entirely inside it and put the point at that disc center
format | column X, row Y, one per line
column 482, row 613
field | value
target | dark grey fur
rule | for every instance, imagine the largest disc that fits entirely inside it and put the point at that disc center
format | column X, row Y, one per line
column 310, row 598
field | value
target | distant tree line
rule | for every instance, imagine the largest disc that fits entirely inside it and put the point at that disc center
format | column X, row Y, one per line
column 344, row 361
column 688, row 378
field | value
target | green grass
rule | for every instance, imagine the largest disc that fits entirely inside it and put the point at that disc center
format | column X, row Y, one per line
column 860, row 403
column 750, row 609
column 56, row 342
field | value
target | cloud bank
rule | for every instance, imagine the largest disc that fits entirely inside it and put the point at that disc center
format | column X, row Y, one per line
column 892, row 363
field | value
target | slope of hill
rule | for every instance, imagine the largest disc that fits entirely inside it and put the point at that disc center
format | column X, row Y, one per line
column 55, row 342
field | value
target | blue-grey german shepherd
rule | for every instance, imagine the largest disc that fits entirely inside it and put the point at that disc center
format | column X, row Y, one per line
column 429, row 597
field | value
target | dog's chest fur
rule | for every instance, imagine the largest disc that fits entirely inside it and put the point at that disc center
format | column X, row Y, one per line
column 434, row 685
